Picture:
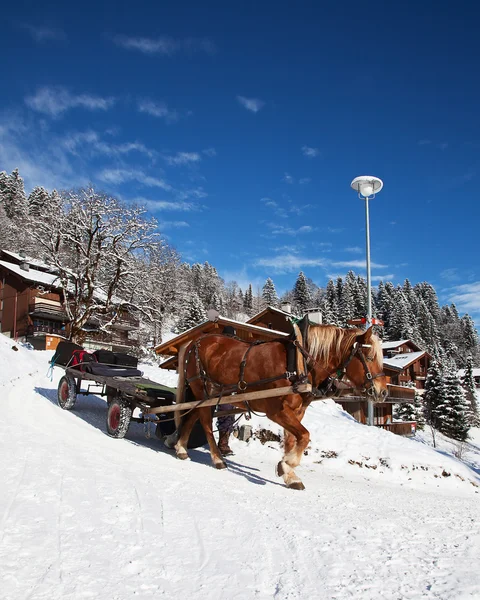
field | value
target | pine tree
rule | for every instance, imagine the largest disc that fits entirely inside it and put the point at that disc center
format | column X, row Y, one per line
column 193, row 315
column 330, row 305
column 431, row 396
column 38, row 201
column 13, row 196
column 347, row 305
column 248, row 300
column 468, row 384
column 470, row 337
column 301, row 294
column 269, row 294
column 451, row 417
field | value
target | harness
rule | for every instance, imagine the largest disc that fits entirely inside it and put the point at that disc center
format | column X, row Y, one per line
column 325, row 387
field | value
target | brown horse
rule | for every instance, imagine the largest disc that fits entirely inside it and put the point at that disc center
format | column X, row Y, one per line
column 212, row 365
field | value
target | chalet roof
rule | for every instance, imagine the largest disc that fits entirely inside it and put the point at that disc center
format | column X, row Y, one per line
column 268, row 309
column 461, row 372
column 170, row 348
column 32, row 275
column 392, row 344
column 33, row 262
column 401, row 361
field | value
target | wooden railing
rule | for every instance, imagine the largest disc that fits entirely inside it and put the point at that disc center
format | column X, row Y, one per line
column 44, row 308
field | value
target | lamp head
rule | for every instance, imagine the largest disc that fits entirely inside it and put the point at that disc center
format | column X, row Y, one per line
column 367, row 186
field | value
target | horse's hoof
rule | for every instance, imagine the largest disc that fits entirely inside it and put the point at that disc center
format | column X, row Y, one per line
column 220, row 465
column 296, row 485
column 182, row 456
column 279, row 470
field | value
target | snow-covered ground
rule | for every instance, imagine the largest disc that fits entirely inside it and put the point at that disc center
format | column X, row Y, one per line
column 86, row 516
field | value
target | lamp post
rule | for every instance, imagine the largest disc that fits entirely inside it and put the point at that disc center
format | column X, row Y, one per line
column 367, row 187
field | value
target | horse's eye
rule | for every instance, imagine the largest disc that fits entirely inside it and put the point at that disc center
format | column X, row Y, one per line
column 369, row 359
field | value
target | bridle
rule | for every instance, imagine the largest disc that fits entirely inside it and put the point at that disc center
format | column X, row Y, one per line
column 326, row 385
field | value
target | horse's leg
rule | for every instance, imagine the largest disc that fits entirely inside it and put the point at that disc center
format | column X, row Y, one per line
column 206, row 421
column 287, row 419
column 289, row 440
column 186, row 427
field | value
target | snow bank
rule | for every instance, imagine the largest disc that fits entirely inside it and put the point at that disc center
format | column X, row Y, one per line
column 83, row 515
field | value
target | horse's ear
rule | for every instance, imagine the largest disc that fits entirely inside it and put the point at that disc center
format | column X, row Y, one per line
column 366, row 338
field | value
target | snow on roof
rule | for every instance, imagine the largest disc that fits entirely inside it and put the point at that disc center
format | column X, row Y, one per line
column 31, row 261
column 393, row 344
column 402, row 360
column 32, row 274
column 461, row 372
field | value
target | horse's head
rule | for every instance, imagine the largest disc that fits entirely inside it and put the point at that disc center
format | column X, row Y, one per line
column 353, row 356
column 364, row 366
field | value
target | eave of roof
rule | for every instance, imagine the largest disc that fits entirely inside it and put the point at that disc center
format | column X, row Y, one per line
column 402, row 361
column 32, row 275
column 171, row 347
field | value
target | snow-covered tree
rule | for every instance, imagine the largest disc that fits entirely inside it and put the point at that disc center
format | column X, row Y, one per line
column 98, row 241
column 269, row 293
column 431, row 395
column 450, row 410
column 301, row 294
column 194, row 314
column 12, row 195
column 248, row 301
column 38, row 201
column 468, row 384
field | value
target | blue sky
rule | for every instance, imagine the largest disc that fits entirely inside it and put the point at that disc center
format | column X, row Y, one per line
column 242, row 125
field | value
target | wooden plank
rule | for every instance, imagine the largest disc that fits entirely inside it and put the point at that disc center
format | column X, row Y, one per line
column 272, row 393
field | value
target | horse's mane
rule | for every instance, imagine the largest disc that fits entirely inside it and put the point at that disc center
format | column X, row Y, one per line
column 326, row 340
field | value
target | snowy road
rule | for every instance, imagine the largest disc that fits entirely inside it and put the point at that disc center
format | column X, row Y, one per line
column 86, row 516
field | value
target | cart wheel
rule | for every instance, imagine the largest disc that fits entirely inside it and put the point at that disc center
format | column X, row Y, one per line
column 118, row 417
column 67, row 392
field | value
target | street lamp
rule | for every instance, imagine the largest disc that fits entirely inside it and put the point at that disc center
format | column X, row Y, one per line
column 367, row 187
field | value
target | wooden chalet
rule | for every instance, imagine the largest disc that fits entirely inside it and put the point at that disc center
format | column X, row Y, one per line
column 405, row 363
column 32, row 308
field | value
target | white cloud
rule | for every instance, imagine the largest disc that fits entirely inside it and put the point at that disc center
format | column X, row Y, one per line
column 388, row 277
column 183, row 158
column 172, row 224
column 210, row 152
column 165, row 45
column 251, row 104
column 119, row 176
column 467, row 297
column 310, row 152
column 357, row 264
column 42, row 34
column 354, row 250
column 282, row 230
column 290, row 262
column 424, row 142
column 157, row 109
column 167, row 205
column 54, row 101
column 304, row 180
column 91, row 141
column 287, row 178
column 450, row 274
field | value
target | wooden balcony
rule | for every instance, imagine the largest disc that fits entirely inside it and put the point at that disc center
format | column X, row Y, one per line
column 45, row 310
